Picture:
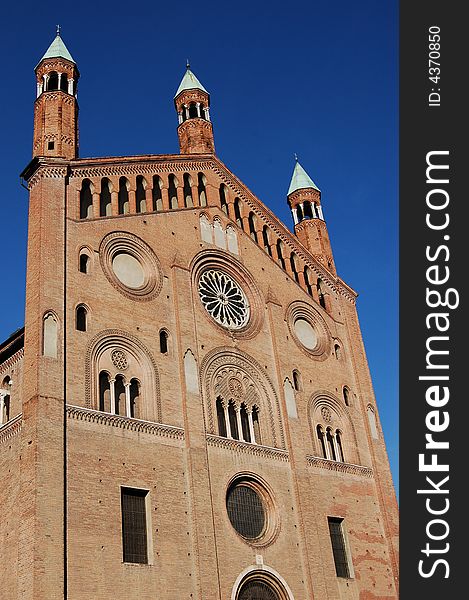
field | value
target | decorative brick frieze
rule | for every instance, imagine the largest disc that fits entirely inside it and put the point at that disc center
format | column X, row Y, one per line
column 247, row 448
column 12, row 428
column 79, row 413
column 339, row 467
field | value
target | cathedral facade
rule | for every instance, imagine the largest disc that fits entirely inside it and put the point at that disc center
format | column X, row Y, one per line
column 188, row 412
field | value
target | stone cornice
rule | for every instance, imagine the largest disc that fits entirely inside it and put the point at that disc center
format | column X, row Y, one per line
column 247, row 448
column 11, row 428
column 339, row 467
column 80, row 413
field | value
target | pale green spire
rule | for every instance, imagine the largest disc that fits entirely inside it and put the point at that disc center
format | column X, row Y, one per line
column 300, row 179
column 58, row 49
column 189, row 82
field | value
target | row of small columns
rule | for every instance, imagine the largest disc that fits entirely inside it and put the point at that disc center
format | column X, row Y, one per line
column 238, row 421
column 42, row 86
column 316, row 209
column 325, row 444
column 183, row 115
column 149, row 198
column 113, row 397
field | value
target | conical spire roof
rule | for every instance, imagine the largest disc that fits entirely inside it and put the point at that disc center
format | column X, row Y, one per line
column 58, row 49
column 300, row 180
column 189, row 82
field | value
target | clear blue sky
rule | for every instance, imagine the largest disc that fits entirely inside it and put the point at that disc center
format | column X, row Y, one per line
column 319, row 79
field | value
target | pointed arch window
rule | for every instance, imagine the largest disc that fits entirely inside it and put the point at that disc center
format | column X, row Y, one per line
column 245, row 423
column 157, row 194
column 346, row 394
column 123, row 196
column 237, row 212
column 307, row 277
column 193, row 110
column 321, row 296
column 53, row 81
column 330, row 444
column 84, row 263
column 64, row 82
column 105, row 203
column 322, row 442
column 280, row 258
column 164, row 342
column 221, row 420
column 104, row 392
column 293, row 267
column 5, row 401
column 265, row 240
column 86, row 200
column 297, row 383
column 134, row 393
column 201, row 189
column 140, row 194
column 233, row 419
column 252, row 226
column 340, row 451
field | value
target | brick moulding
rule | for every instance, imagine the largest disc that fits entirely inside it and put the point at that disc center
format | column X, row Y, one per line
column 339, row 467
column 80, row 413
column 247, row 448
column 8, row 430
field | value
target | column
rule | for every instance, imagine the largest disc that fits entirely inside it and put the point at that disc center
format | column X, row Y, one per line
column 238, row 420
column 198, row 109
column 227, row 421
column 295, row 216
column 336, row 448
column 321, row 214
column 59, row 81
column 113, row 395
column 70, row 86
column 165, row 198
column 180, row 196
column 96, row 207
column 195, row 194
column 251, row 426
column 132, row 202
column 207, row 113
column 128, row 411
column 180, row 119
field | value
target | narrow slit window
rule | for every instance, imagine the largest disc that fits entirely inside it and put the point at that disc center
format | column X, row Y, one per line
column 339, row 548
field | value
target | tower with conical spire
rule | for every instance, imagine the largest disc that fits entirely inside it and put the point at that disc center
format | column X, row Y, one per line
column 192, row 103
column 304, row 199
column 56, row 107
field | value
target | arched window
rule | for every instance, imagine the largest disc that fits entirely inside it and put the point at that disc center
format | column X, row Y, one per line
column 338, row 439
column 293, row 267
column 322, row 443
column 299, row 212
column 119, row 395
column 256, row 426
column 297, row 384
column 221, row 418
column 86, row 200
column 372, row 421
column 245, row 423
column 84, row 263
column 140, row 194
column 201, row 188
column 80, row 318
column 193, row 110
column 346, row 394
column 134, row 392
column 280, row 258
column 321, row 296
column 5, row 401
column 265, row 240
column 237, row 212
column 308, row 214
column 50, row 336
column 104, row 392
column 330, row 444
column 261, row 587
column 252, row 226
column 337, row 351
column 164, row 342
column 223, row 198
column 105, row 204
column 306, row 273
column 233, row 421
column 156, row 193
column 64, row 82
column 188, row 200
column 53, row 81
column 123, row 196
column 172, row 191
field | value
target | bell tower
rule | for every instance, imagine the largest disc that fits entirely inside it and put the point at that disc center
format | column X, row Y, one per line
column 192, row 103
column 56, row 107
column 304, row 199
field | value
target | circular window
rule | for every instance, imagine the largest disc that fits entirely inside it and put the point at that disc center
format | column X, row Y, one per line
column 306, row 334
column 130, row 265
column 246, row 511
column 251, row 510
column 128, row 270
column 223, row 299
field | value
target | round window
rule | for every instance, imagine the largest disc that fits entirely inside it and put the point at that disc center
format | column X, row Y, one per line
column 306, row 334
column 246, row 511
column 223, row 299
column 128, row 270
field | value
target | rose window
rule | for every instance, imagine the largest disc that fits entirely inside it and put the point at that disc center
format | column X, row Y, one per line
column 223, row 299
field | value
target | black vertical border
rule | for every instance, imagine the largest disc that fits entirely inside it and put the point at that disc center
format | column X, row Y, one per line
column 423, row 129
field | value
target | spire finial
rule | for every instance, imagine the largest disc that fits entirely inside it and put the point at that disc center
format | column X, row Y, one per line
column 188, row 65
column 296, row 157
column 58, row 30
